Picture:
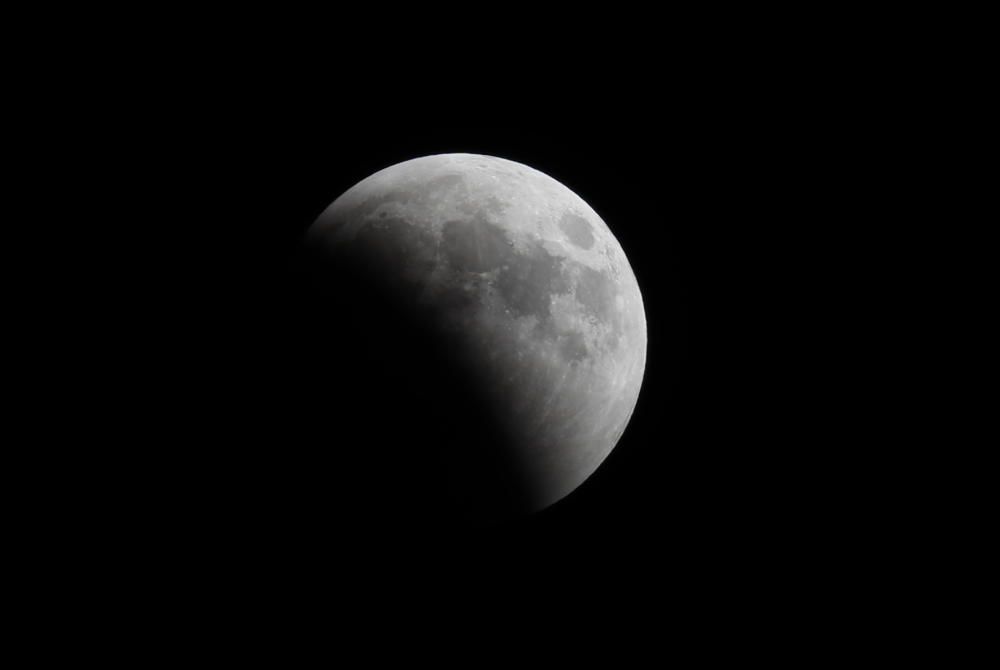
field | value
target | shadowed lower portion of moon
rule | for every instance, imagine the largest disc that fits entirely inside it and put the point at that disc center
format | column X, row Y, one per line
column 521, row 292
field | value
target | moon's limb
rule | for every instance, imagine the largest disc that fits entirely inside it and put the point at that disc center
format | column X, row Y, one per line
column 530, row 280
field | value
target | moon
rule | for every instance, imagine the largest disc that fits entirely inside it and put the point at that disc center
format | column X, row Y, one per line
column 526, row 284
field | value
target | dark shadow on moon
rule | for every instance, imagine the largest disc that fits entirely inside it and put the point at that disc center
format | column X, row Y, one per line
column 429, row 449
column 323, row 423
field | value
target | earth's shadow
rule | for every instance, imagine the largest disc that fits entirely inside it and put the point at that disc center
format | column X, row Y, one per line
column 387, row 425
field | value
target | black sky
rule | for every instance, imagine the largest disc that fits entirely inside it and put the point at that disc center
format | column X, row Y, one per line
column 206, row 447
column 720, row 456
column 253, row 442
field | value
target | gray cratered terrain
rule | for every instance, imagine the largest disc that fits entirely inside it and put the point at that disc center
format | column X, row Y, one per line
column 528, row 283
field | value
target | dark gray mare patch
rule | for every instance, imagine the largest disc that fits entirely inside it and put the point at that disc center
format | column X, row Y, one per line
column 578, row 230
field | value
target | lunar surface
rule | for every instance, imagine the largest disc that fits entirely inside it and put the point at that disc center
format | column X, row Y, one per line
column 526, row 283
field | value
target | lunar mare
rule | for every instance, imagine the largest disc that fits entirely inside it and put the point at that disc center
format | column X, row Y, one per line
column 530, row 284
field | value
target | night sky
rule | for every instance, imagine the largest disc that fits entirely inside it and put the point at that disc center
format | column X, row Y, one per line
column 277, row 436
column 713, row 461
column 221, row 442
